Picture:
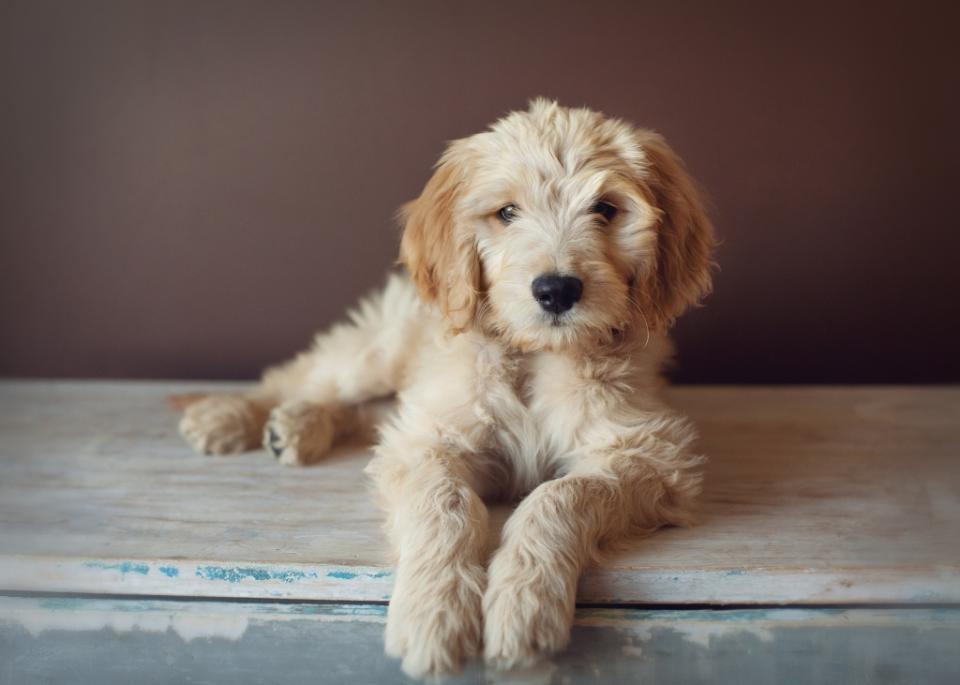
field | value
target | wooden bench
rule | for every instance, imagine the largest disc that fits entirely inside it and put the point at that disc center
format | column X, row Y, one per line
column 828, row 550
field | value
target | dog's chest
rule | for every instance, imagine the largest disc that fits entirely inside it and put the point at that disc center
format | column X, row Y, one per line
column 531, row 407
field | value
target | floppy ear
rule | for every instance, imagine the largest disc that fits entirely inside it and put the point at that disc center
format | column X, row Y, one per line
column 438, row 251
column 685, row 236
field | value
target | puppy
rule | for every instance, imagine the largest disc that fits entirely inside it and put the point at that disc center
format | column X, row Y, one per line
column 546, row 257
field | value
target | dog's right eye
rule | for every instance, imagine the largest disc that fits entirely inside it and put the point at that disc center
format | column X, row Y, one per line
column 507, row 214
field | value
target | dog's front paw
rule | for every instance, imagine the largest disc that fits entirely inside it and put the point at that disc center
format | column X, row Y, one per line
column 434, row 623
column 527, row 611
column 221, row 424
column 299, row 433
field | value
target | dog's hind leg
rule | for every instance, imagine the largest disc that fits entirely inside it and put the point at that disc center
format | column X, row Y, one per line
column 300, row 408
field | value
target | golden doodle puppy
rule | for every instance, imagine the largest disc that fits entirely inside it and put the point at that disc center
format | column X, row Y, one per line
column 546, row 257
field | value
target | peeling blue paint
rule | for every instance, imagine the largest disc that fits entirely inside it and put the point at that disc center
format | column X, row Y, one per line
column 237, row 574
column 289, row 576
column 124, row 567
column 341, row 575
column 351, row 575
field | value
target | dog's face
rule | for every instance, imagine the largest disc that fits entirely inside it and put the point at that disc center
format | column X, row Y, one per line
column 559, row 227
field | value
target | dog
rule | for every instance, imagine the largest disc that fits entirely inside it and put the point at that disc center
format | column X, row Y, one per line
column 546, row 260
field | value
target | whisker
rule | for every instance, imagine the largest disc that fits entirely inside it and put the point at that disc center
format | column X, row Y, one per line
column 639, row 309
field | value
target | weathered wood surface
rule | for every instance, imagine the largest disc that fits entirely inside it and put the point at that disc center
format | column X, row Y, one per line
column 83, row 641
column 814, row 495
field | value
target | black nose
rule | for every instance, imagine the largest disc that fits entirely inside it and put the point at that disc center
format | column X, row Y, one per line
column 557, row 293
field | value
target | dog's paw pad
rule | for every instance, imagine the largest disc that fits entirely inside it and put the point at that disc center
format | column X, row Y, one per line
column 220, row 424
column 273, row 442
column 298, row 433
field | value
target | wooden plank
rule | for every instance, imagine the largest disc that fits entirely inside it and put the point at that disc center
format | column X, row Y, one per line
column 147, row 641
column 814, row 495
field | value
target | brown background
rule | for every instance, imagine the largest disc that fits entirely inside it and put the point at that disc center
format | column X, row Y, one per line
column 191, row 189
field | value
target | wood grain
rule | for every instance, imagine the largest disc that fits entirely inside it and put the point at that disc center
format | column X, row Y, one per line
column 814, row 495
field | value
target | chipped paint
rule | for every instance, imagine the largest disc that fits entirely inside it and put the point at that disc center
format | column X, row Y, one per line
column 237, row 574
column 353, row 575
column 80, row 618
column 90, row 640
column 703, row 633
column 292, row 580
column 189, row 620
column 124, row 567
column 341, row 575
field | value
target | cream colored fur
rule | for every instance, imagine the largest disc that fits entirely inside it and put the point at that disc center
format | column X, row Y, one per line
column 499, row 399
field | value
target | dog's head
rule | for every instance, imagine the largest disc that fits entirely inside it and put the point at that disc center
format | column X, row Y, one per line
column 559, row 227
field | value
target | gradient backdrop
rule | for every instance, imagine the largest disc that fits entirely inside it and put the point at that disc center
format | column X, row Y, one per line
column 190, row 189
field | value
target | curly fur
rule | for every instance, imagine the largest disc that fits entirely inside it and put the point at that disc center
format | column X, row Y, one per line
column 499, row 399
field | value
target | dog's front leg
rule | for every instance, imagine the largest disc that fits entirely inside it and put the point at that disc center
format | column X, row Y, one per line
column 632, row 485
column 438, row 524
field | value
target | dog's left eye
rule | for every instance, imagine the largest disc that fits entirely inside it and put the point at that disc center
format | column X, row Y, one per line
column 604, row 209
column 507, row 214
